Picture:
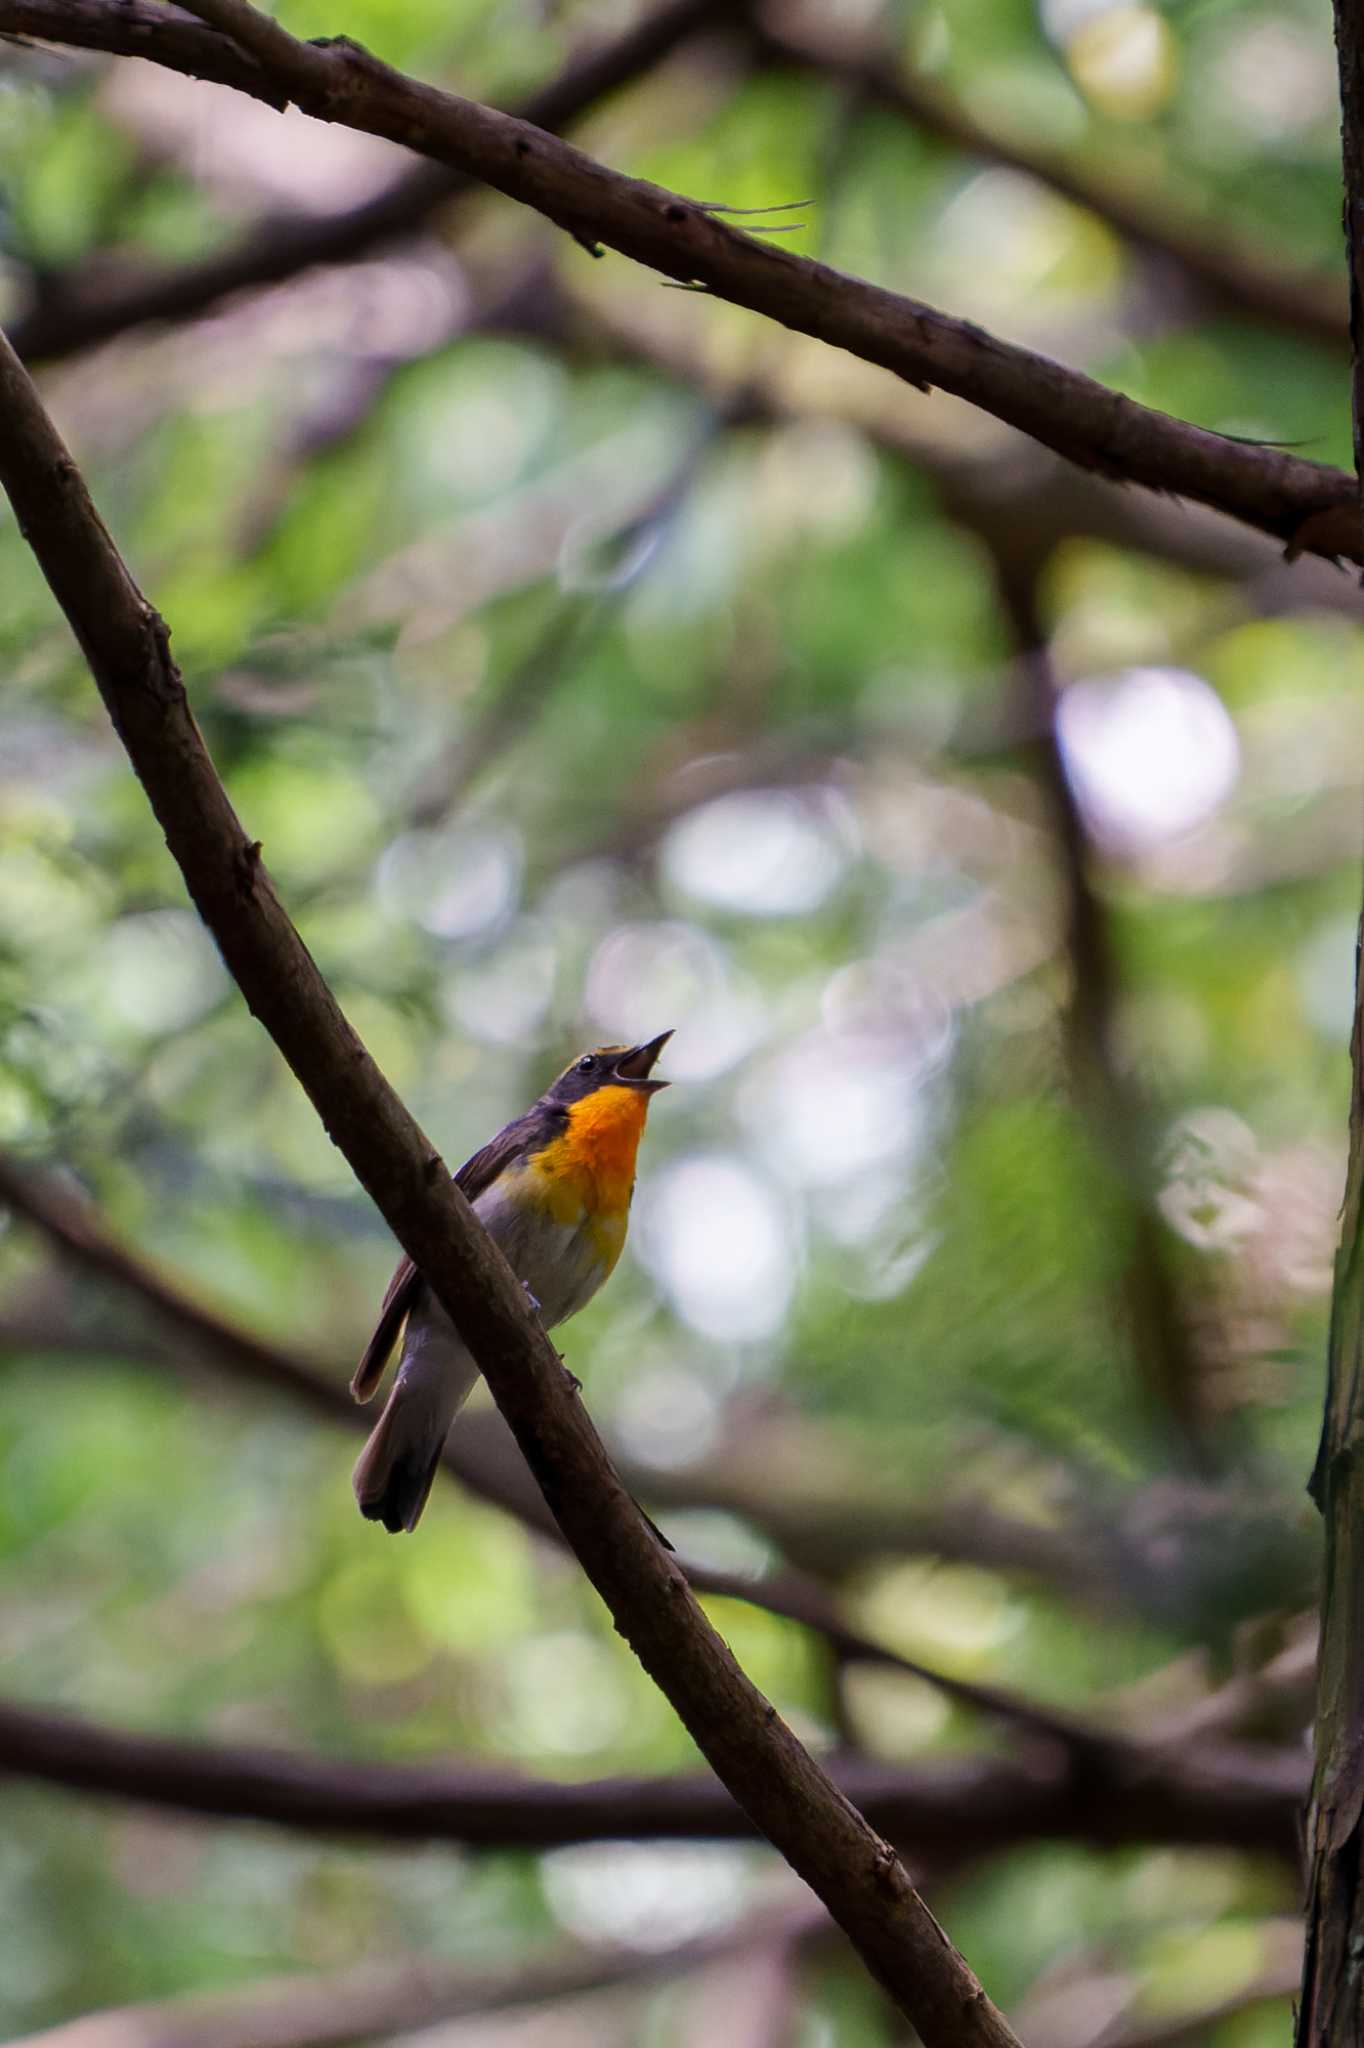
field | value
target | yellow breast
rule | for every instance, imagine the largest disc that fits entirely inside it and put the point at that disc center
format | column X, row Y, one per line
column 588, row 1174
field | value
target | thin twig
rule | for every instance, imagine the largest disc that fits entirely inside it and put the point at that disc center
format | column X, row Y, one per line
column 377, row 2002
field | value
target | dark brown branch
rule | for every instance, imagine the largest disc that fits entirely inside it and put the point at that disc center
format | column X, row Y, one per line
column 1226, row 271
column 1307, row 505
column 77, row 312
column 1226, row 1797
column 789, row 1798
column 1331, row 2010
column 182, row 43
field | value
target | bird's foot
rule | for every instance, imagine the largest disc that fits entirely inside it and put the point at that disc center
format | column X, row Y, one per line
column 525, row 1289
column 574, row 1382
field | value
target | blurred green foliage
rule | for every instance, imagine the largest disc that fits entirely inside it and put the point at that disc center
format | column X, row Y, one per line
column 567, row 710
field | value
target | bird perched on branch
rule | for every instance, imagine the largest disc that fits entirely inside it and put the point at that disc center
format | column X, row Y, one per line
column 553, row 1191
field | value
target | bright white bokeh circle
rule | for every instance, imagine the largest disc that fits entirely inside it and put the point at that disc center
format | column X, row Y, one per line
column 761, row 852
column 644, row 1896
column 720, row 1246
column 458, row 883
column 829, row 1108
column 1150, row 753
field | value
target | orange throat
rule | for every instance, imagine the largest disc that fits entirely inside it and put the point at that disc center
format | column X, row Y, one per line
column 592, row 1166
column 601, row 1143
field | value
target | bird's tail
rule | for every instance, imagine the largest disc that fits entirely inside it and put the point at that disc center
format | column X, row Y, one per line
column 395, row 1471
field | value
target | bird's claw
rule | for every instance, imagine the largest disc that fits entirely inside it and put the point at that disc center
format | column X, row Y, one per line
column 525, row 1289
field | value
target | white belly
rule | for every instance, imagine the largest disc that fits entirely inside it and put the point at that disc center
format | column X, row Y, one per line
column 561, row 1263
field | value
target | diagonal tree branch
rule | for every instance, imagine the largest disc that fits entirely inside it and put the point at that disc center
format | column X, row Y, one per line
column 1229, row 1797
column 183, row 43
column 75, row 312
column 784, row 1791
column 1307, row 505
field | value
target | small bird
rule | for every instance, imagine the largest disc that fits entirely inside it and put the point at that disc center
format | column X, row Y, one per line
column 553, row 1191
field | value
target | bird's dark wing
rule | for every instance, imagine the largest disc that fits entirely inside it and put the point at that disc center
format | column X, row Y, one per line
column 516, row 1140
column 524, row 1135
column 397, row 1303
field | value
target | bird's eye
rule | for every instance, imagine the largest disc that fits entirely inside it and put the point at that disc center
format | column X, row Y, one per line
column 586, row 1063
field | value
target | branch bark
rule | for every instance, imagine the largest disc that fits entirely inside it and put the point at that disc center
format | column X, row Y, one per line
column 1233, row 275
column 1227, row 1797
column 1331, row 2010
column 787, row 1795
column 1307, row 505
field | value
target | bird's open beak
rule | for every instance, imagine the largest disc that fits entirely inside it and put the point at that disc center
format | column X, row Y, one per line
column 636, row 1065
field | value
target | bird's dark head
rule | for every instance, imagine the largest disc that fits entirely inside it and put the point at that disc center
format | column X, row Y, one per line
column 609, row 1066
